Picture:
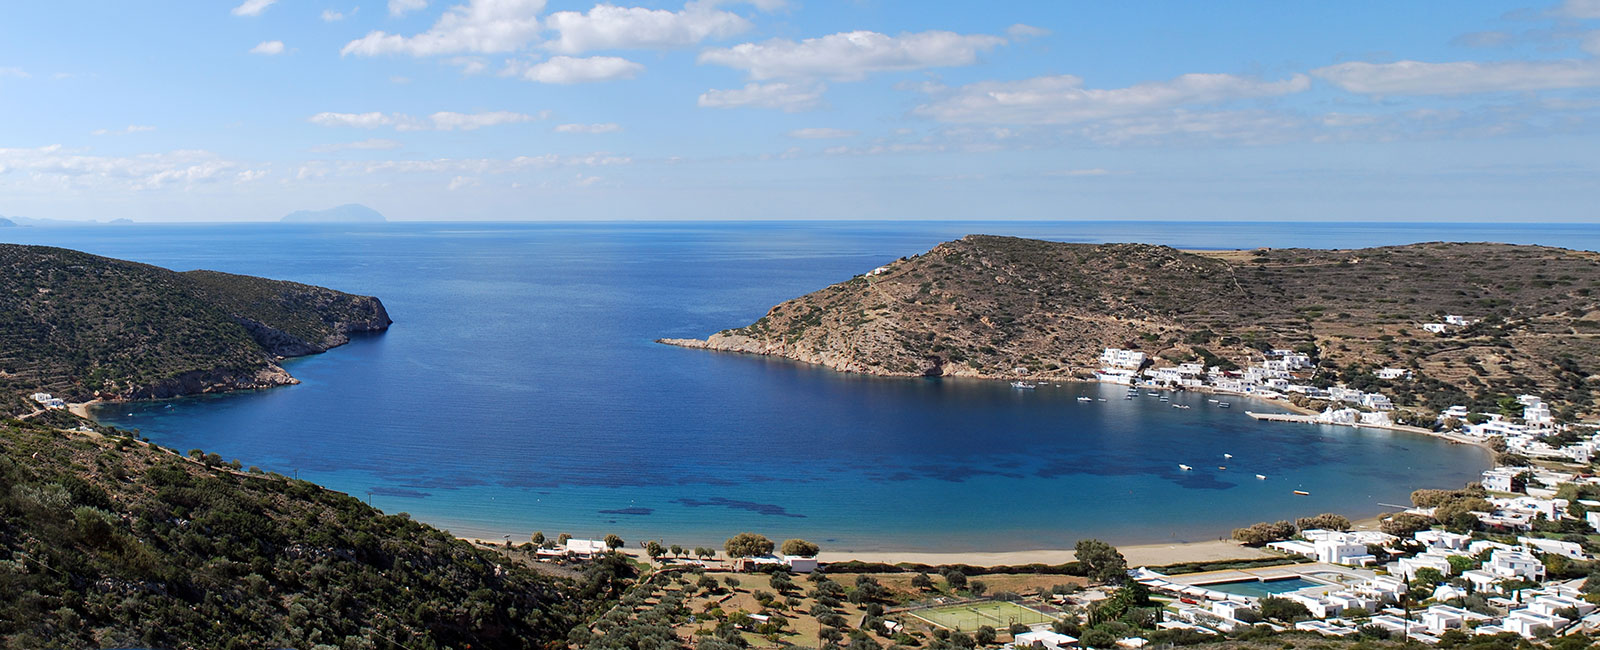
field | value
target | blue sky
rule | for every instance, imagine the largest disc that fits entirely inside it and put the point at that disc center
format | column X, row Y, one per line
column 784, row 109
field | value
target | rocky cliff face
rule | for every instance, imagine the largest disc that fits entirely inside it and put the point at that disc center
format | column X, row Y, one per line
column 986, row 306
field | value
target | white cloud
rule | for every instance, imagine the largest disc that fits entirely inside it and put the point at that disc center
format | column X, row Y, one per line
column 252, row 7
column 786, row 96
column 821, row 133
column 609, row 27
column 131, row 128
column 441, row 121
column 850, row 56
column 358, row 120
column 58, row 167
column 572, row 70
column 370, row 144
column 606, row 127
column 449, row 121
column 1580, row 8
column 402, row 7
column 1022, row 32
column 329, row 15
column 268, row 48
column 14, row 72
column 1460, row 77
column 1063, row 99
column 461, row 182
column 481, row 26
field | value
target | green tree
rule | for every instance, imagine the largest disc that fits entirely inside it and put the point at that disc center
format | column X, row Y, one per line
column 654, row 549
column 1324, row 521
column 1102, row 561
column 800, row 547
column 955, row 580
column 984, row 636
column 1098, row 638
column 1283, row 609
column 747, row 545
column 1405, row 524
column 677, row 551
column 614, row 542
column 537, row 538
column 922, row 582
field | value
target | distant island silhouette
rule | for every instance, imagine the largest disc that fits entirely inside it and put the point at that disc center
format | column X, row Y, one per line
column 347, row 213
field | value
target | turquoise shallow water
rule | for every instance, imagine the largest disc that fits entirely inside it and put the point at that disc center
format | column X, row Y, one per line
column 1263, row 588
column 520, row 390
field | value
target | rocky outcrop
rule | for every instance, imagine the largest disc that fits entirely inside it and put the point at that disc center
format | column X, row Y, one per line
column 198, row 382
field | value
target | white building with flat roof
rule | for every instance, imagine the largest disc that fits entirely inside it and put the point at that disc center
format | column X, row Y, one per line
column 1120, row 358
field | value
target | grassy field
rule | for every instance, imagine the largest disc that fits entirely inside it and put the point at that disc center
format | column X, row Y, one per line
column 969, row 617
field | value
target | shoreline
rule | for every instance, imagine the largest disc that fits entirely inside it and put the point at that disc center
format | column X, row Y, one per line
column 1137, row 554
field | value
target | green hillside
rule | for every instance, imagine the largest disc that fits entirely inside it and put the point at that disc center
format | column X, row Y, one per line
column 108, row 543
column 82, row 326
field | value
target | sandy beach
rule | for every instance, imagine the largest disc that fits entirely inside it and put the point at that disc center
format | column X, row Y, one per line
column 1137, row 554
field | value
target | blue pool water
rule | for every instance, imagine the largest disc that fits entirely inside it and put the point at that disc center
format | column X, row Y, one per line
column 520, row 390
column 1263, row 588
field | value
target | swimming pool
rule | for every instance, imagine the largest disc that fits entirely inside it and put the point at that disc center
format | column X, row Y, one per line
column 1261, row 588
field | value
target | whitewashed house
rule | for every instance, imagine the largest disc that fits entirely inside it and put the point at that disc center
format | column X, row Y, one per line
column 1119, row 358
column 1394, row 373
column 1532, row 625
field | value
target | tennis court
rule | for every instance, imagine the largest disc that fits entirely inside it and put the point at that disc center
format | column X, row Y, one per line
column 968, row 617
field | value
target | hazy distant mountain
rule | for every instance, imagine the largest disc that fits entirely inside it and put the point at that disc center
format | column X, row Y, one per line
column 347, row 213
column 37, row 221
column 6, row 223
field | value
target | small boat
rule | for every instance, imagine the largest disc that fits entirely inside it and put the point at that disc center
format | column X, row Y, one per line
column 1101, row 399
column 1180, row 406
column 1086, row 399
column 1184, row 467
column 1222, row 405
column 1023, row 385
column 1212, row 401
column 1261, row 477
column 1164, row 398
column 1128, row 397
column 1227, row 455
column 1152, row 393
column 1222, row 467
column 1302, row 493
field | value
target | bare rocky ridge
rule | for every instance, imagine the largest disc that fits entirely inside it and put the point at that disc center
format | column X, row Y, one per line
column 1001, row 307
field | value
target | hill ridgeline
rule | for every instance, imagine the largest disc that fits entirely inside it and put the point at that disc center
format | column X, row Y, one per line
column 1003, row 307
column 82, row 326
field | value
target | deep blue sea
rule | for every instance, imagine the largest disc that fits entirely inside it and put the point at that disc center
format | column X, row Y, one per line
column 519, row 390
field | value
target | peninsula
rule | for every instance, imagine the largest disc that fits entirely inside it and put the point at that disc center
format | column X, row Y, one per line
column 84, row 327
column 1453, row 323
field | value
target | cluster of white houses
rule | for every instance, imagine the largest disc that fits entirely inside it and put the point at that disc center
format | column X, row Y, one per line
column 1512, row 577
column 1272, row 377
column 1527, row 437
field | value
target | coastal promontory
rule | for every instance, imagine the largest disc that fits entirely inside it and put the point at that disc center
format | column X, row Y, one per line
column 82, row 327
column 989, row 306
